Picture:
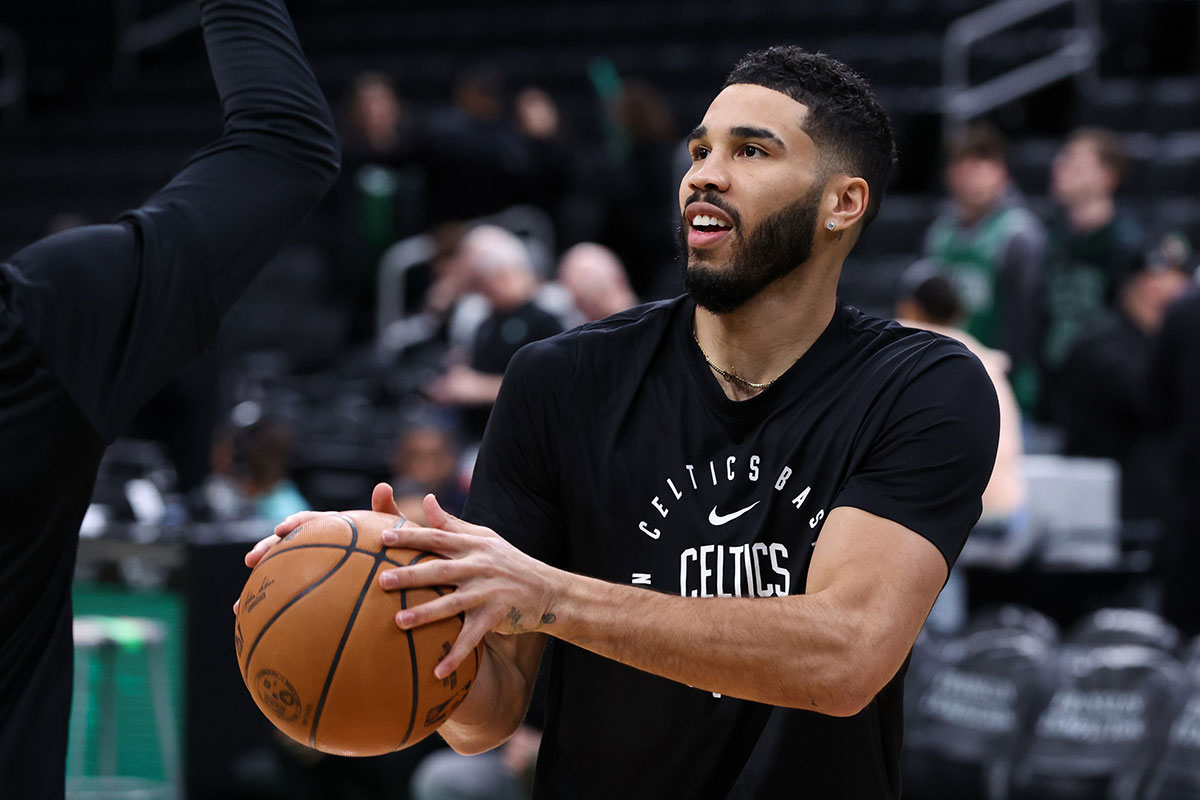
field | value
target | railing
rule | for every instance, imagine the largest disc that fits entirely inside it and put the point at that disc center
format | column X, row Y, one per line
column 137, row 35
column 961, row 101
column 12, row 75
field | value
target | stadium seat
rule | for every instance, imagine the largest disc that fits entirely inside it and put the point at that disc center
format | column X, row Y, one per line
column 1014, row 618
column 1095, row 737
column 1176, row 775
column 1120, row 626
column 968, row 713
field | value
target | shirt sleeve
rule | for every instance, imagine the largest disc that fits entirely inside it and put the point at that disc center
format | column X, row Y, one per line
column 515, row 487
column 115, row 310
column 928, row 464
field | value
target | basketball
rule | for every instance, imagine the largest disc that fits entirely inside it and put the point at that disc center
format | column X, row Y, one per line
column 318, row 646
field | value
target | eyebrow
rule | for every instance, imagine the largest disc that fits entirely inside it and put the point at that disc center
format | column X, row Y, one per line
column 741, row 132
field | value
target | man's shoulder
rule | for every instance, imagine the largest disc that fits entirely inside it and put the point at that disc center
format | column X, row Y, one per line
column 865, row 330
column 884, row 352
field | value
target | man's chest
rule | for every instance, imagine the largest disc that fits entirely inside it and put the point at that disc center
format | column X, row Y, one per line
column 691, row 505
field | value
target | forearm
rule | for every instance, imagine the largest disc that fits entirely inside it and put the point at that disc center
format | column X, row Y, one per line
column 496, row 705
column 798, row 651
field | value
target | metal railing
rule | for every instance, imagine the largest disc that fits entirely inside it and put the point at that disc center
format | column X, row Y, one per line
column 1077, row 56
column 12, row 75
column 136, row 35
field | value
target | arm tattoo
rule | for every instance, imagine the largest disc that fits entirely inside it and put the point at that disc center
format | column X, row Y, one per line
column 514, row 618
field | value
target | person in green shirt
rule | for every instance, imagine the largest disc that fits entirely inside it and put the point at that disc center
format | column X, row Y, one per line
column 989, row 245
column 1090, row 246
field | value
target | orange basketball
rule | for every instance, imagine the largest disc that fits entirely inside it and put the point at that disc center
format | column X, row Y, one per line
column 319, row 649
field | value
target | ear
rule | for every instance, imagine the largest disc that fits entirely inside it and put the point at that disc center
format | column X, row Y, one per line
column 847, row 199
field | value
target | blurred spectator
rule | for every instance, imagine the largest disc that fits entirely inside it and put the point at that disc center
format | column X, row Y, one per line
column 929, row 300
column 990, row 246
column 1105, row 382
column 501, row 271
column 436, row 287
column 380, row 195
column 1175, row 381
column 250, row 460
column 596, row 280
column 376, row 127
column 644, row 203
column 552, row 159
column 426, row 459
column 1089, row 247
column 476, row 161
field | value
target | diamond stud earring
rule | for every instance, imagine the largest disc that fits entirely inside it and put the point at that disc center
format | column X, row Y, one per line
column 830, row 225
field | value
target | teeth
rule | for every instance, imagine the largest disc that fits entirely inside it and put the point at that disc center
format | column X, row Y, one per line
column 703, row 220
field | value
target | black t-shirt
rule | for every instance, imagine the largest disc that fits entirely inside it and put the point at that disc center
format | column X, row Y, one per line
column 498, row 339
column 613, row 452
column 93, row 321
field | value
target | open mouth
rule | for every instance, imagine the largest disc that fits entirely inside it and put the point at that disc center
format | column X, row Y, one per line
column 707, row 224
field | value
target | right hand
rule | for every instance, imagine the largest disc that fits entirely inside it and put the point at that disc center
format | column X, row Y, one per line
column 383, row 500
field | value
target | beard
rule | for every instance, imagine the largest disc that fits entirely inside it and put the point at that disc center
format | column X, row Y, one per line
column 776, row 248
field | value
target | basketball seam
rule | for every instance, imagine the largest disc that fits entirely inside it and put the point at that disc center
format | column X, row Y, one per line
column 274, row 617
column 337, row 654
column 320, row 546
column 412, row 659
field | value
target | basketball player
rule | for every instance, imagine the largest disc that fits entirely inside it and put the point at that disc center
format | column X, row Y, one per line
column 93, row 321
column 733, row 509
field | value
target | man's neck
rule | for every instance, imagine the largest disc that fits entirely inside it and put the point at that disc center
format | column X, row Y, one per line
column 766, row 336
column 1091, row 214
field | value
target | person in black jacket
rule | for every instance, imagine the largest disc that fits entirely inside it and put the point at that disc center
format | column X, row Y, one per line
column 1175, row 388
column 1106, row 387
column 94, row 320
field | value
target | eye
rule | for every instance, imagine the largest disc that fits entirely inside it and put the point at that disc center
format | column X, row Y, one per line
column 699, row 153
column 753, row 151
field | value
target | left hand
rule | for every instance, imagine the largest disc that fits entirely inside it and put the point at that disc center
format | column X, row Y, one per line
column 498, row 588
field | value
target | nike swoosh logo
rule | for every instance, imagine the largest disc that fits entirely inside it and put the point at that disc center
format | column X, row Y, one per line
column 721, row 519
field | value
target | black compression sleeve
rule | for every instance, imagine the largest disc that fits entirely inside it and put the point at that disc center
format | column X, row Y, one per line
column 115, row 310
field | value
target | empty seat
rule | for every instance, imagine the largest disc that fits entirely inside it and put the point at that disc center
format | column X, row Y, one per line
column 1012, row 617
column 1176, row 774
column 968, row 714
column 1120, row 626
column 1094, row 737
column 1115, row 104
column 1173, row 105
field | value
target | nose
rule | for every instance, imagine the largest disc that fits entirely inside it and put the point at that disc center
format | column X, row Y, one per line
column 708, row 175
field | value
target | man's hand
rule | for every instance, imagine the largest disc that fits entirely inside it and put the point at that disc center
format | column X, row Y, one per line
column 497, row 587
column 382, row 500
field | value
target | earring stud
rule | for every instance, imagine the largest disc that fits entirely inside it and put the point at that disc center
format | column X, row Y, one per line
column 831, row 225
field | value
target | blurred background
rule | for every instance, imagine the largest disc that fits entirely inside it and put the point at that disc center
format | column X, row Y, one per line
column 509, row 171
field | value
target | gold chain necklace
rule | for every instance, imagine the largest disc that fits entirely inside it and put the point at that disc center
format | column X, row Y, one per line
column 726, row 374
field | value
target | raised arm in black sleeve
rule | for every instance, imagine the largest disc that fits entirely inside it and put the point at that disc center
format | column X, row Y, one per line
column 93, row 321
column 115, row 310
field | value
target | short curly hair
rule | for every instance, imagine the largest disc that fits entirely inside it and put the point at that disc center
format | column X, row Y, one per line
column 845, row 120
